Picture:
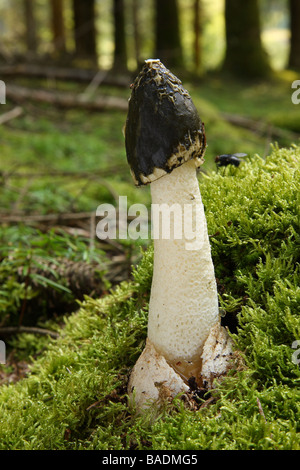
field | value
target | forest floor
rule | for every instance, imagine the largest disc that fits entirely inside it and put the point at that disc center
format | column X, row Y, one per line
column 58, row 165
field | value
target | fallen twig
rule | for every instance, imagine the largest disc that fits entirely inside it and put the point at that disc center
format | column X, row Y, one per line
column 261, row 411
column 63, row 173
column 65, row 99
column 63, row 73
column 12, row 114
column 259, row 127
column 53, row 218
column 12, row 330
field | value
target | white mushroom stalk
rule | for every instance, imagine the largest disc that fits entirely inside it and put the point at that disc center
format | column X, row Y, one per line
column 165, row 144
column 184, row 301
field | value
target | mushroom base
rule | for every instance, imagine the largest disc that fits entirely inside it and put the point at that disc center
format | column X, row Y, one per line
column 189, row 369
column 153, row 381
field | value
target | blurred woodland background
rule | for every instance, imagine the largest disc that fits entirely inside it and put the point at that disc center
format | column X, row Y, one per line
column 67, row 66
column 194, row 35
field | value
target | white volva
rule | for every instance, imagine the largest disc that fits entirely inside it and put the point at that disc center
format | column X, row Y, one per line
column 184, row 301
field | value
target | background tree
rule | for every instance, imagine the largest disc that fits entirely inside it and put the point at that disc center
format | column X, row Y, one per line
column 120, row 51
column 84, row 29
column 58, row 27
column 245, row 56
column 168, row 46
column 30, row 25
column 136, row 31
column 197, row 34
column 294, row 57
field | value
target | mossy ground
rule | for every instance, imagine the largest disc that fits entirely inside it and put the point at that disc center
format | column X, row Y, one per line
column 75, row 394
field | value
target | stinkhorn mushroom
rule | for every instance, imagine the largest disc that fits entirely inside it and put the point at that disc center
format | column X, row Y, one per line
column 165, row 144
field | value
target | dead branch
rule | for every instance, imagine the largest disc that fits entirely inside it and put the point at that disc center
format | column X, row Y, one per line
column 12, row 330
column 261, row 411
column 65, row 99
column 64, row 173
column 61, row 73
column 259, row 127
column 52, row 218
column 12, row 114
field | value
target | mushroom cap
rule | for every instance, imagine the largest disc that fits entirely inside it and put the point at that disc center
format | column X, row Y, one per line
column 163, row 129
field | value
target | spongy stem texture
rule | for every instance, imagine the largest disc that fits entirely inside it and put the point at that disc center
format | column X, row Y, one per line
column 183, row 303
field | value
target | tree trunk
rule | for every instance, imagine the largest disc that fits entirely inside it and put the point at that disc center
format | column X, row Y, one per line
column 197, row 35
column 167, row 33
column 245, row 56
column 30, row 24
column 136, row 32
column 120, row 54
column 294, row 58
column 84, row 29
column 58, row 27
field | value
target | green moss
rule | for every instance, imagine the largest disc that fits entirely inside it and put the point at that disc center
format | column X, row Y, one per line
column 75, row 394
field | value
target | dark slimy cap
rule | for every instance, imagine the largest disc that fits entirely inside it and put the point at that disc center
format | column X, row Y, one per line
column 163, row 129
